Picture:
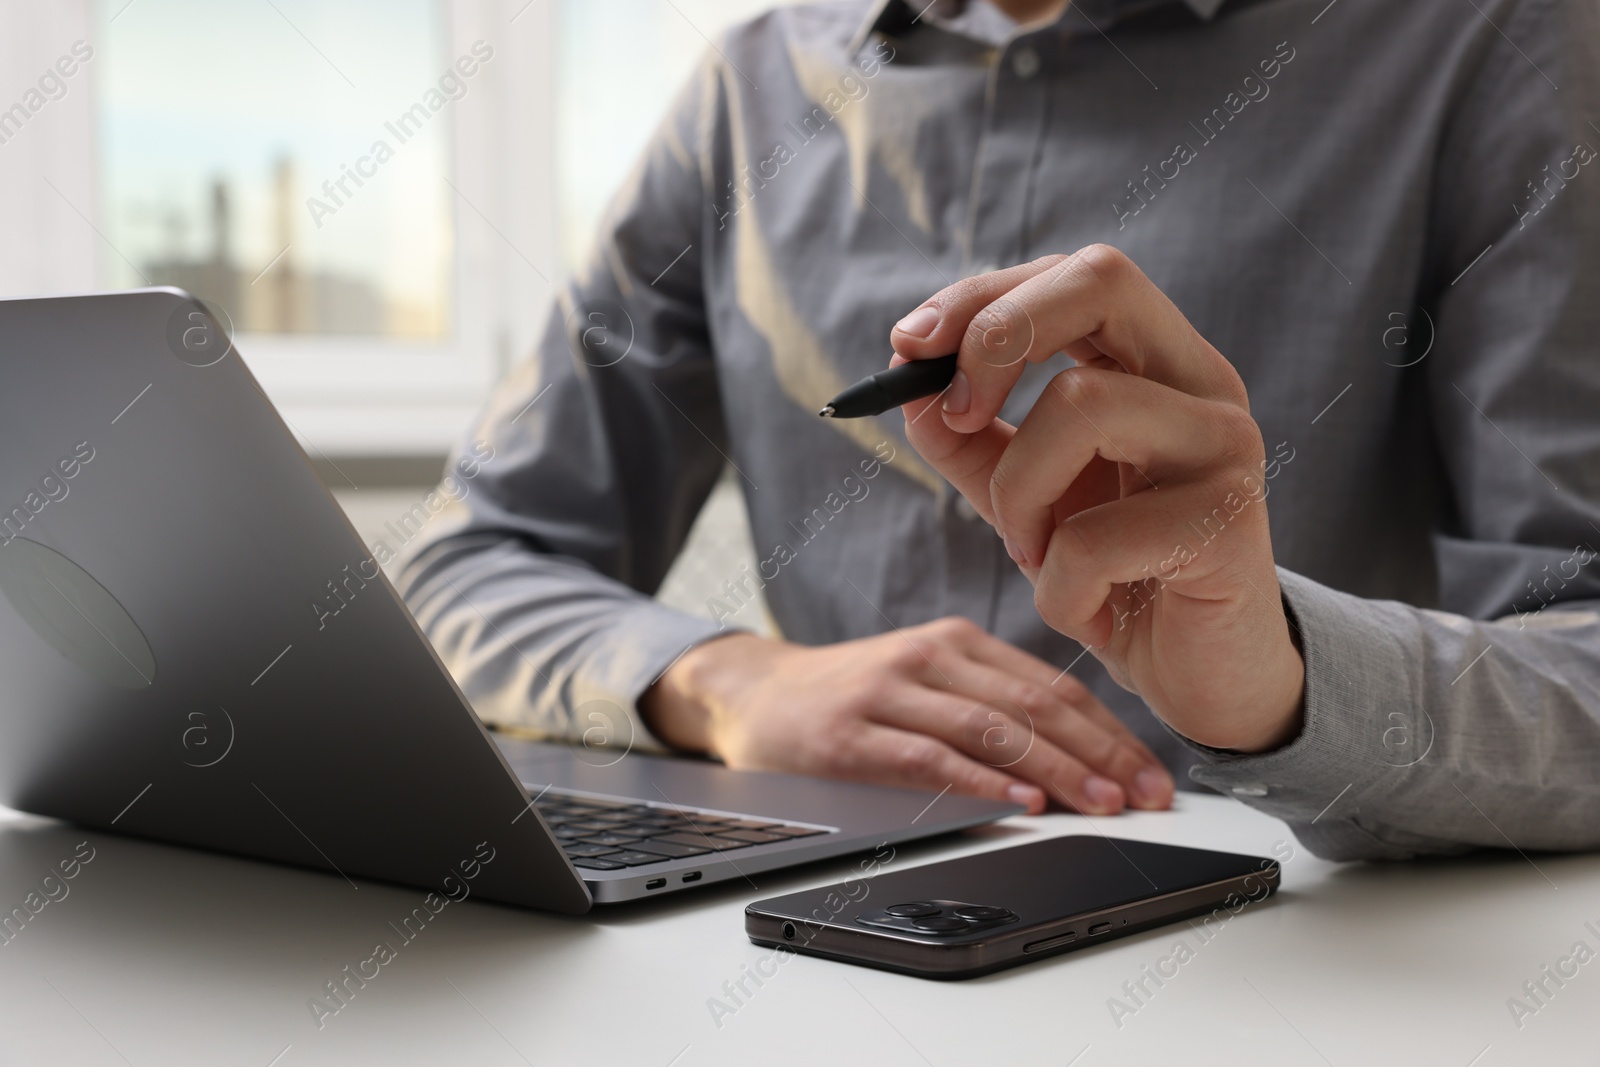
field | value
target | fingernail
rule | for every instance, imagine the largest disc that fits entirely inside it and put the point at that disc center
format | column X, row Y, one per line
column 1028, row 796
column 958, row 398
column 920, row 323
column 1014, row 552
column 1151, row 787
column 1104, row 795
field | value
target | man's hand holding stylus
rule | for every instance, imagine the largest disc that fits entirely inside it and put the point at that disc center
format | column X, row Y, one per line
column 1131, row 495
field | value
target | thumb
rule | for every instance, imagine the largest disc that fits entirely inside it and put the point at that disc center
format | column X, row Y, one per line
column 994, row 337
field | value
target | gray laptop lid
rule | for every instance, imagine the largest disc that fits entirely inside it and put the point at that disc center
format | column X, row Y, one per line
column 163, row 542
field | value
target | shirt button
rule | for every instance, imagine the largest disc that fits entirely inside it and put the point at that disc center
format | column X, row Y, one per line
column 1025, row 63
column 965, row 509
column 1250, row 789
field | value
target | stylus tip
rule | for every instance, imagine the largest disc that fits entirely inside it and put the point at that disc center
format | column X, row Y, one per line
column 826, row 412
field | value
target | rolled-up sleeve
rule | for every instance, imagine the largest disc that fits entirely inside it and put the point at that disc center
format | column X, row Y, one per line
column 535, row 585
column 1432, row 731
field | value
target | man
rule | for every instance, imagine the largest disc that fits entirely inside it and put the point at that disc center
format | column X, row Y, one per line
column 1342, row 255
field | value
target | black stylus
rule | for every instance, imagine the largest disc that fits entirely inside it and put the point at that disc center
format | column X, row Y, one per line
column 890, row 388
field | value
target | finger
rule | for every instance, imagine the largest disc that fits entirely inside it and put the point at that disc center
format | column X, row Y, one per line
column 1050, row 729
column 965, row 460
column 987, row 732
column 938, row 325
column 1005, row 656
column 1107, row 719
column 941, row 326
column 917, row 760
column 1145, row 781
column 1084, row 413
column 968, row 638
column 1184, row 535
column 1096, row 295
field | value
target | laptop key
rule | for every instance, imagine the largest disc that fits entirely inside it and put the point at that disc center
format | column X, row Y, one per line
column 673, row 849
column 636, row 859
column 584, row 850
column 620, row 825
column 705, row 842
column 606, row 805
column 725, row 842
column 753, row 837
column 703, row 828
column 593, row 864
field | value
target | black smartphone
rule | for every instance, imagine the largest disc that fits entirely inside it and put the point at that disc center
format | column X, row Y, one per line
column 983, row 913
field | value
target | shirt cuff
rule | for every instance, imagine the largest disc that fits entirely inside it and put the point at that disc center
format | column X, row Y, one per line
column 1360, row 720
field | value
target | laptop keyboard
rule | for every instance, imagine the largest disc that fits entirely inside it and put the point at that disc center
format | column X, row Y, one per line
column 609, row 835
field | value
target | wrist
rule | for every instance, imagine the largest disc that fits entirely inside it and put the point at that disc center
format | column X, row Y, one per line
column 1286, row 718
column 1258, row 707
column 685, row 706
column 1281, row 728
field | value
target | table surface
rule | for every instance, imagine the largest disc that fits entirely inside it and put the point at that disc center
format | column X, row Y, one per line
column 163, row 955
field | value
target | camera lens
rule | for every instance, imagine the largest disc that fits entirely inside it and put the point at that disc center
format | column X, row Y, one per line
column 912, row 911
column 940, row 924
column 983, row 913
column 788, row 931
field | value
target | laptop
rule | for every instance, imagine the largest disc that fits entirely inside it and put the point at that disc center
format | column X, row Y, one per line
column 167, row 671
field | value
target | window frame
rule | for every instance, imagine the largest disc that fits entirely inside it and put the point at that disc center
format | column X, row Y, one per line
column 343, row 396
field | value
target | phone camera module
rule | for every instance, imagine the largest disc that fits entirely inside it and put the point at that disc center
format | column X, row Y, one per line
column 941, row 918
column 918, row 910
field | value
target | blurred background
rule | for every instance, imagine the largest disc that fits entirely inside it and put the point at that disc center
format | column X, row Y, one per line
column 232, row 148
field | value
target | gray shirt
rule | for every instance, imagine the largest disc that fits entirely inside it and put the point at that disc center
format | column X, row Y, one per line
column 1386, row 215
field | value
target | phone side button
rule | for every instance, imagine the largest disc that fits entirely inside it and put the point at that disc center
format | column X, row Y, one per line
column 1051, row 942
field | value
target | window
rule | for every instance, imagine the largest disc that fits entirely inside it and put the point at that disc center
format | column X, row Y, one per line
column 369, row 182
column 608, row 106
column 216, row 145
column 283, row 160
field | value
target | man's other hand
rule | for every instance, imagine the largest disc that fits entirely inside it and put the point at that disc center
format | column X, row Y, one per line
column 936, row 706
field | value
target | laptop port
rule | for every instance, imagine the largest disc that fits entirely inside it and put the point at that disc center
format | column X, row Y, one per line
column 655, row 883
column 692, row 876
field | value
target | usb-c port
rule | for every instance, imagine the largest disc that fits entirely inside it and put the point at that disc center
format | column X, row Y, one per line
column 1099, row 928
column 692, row 876
column 655, row 883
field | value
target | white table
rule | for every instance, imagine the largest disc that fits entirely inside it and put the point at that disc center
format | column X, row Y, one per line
column 161, row 955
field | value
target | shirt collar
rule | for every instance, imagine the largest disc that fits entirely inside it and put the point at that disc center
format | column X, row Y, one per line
column 893, row 16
